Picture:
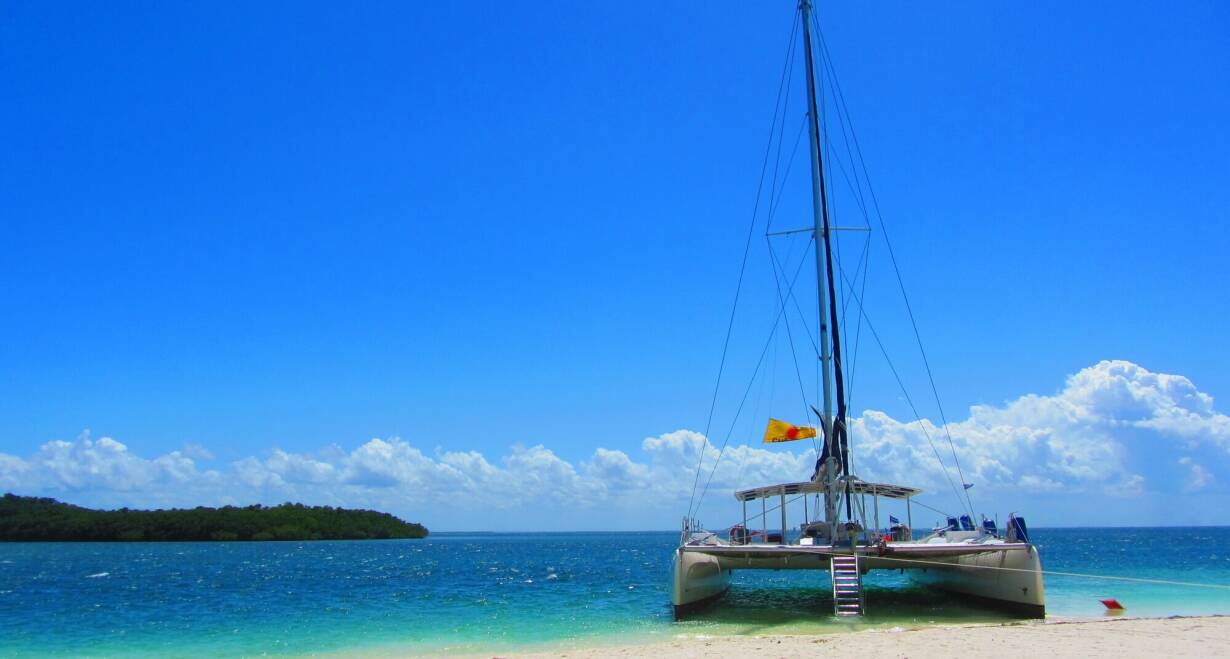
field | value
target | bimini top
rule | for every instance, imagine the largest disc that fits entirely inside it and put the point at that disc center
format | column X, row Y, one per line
column 857, row 486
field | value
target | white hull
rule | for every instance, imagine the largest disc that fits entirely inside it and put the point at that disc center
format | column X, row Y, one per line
column 1011, row 578
column 1007, row 575
column 697, row 578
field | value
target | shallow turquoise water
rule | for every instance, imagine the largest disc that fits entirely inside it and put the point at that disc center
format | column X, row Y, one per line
column 472, row 593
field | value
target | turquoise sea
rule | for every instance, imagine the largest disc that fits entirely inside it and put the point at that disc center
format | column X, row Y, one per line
column 473, row 593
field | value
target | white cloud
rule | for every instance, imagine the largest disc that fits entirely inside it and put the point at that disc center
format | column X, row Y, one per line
column 196, row 451
column 1101, row 434
column 88, row 464
column 1099, row 431
column 13, row 472
column 1198, row 477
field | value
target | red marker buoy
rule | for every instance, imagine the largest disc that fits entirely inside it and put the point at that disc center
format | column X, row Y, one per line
column 1112, row 604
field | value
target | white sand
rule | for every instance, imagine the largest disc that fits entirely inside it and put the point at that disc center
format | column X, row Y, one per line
column 1117, row 637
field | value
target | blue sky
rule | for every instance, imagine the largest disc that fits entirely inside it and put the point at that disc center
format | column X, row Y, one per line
column 232, row 232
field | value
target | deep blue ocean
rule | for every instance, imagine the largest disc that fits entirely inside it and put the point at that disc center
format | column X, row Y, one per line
column 477, row 593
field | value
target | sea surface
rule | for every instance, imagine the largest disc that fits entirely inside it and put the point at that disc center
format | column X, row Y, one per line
column 475, row 593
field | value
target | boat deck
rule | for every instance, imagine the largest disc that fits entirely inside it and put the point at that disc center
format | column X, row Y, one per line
column 767, row 556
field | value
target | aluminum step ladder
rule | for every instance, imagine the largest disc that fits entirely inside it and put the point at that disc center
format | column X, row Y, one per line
column 847, row 585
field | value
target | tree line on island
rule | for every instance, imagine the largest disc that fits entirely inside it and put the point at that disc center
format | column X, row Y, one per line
column 33, row 518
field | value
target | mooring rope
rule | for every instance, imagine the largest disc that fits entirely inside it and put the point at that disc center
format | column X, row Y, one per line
column 1057, row 573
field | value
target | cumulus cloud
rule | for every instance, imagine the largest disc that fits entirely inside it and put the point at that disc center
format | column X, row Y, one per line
column 196, row 451
column 1100, row 434
column 102, row 464
column 1198, row 477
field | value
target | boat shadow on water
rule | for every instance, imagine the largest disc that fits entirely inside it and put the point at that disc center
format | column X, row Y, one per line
column 753, row 606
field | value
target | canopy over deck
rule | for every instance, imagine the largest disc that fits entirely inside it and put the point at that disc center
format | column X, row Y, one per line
column 857, row 486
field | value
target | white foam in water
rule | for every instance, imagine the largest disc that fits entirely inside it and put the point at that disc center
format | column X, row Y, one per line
column 95, row 576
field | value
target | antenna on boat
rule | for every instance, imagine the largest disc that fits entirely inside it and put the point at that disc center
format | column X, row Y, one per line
column 836, row 451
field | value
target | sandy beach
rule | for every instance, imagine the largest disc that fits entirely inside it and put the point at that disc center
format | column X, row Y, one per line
column 1121, row 637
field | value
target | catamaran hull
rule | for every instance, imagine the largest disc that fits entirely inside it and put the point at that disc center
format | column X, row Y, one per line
column 1007, row 579
column 697, row 580
column 1008, row 576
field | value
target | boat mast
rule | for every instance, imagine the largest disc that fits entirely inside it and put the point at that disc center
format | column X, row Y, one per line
column 834, row 428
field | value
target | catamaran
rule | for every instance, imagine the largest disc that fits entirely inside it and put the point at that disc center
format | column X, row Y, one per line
column 846, row 538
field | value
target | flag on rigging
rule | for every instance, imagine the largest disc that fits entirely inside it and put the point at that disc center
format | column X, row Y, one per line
column 780, row 431
column 893, row 520
column 968, row 485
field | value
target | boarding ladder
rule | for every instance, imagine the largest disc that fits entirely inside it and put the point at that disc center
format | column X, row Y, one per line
column 847, row 585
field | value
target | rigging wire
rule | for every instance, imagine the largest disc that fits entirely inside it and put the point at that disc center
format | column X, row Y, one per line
column 777, row 282
column 789, row 165
column 856, row 189
column 932, row 508
column 855, row 183
column 739, row 410
column 790, row 336
column 837, row 438
column 843, row 109
column 776, row 197
column 774, row 205
column 909, row 401
column 802, row 317
column 864, row 264
column 860, row 272
column 777, row 110
column 774, row 191
column 862, row 267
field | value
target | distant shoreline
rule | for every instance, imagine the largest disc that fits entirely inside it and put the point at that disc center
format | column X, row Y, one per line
column 191, row 541
column 33, row 519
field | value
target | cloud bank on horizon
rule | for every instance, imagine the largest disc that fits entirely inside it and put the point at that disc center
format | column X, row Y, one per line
column 1117, row 440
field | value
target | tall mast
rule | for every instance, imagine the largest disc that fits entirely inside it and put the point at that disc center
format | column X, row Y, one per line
column 834, row 428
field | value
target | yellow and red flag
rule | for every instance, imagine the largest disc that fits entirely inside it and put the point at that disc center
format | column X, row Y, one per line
column 780, row 431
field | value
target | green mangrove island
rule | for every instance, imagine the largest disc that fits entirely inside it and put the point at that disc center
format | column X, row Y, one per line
column 41, row 519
